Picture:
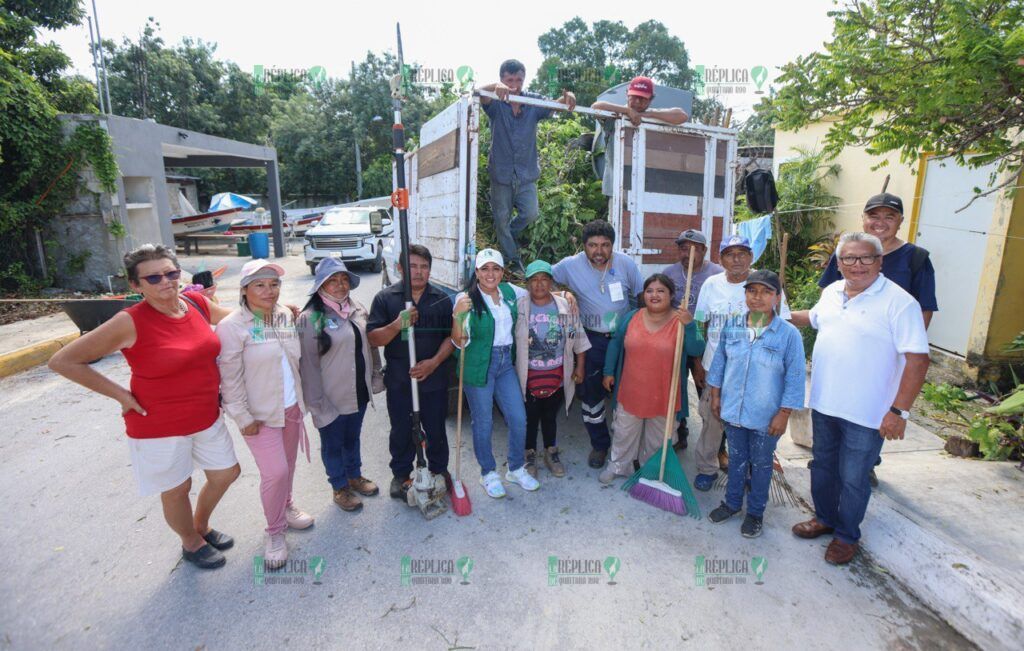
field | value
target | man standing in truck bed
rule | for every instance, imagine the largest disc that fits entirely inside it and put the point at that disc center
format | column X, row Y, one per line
column 513, row 164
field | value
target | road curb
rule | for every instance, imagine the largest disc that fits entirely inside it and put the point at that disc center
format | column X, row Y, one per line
column 976, row 597
column 25, row 358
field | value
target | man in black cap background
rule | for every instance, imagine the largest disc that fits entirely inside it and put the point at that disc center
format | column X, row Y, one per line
column 703, row 268
column 906, row 264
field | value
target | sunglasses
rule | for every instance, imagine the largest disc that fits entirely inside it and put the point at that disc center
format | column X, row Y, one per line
column 154, row 279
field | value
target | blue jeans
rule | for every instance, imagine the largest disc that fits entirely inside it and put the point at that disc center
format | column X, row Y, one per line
column 502, row 387
column 748, row 447
column 593, row 394
column 339, row 448
column 844, row 454
column 522, row 197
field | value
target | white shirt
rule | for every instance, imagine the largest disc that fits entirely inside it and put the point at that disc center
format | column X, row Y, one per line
column 289, row 382
column 724, row 305
column 503, row 325
column 858, row 357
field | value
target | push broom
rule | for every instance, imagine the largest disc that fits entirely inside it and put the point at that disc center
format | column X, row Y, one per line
column 662, row 482
column 459, row 496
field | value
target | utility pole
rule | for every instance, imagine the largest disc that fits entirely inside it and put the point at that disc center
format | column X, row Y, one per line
column 103, row 57
column 96, row 67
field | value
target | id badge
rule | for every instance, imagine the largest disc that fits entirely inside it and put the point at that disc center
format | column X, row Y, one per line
column 615, row 292
column 332, row 323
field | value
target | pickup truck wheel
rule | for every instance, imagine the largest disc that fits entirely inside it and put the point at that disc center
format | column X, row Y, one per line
column 385, row 280
column 378, row 263
column 312, row 268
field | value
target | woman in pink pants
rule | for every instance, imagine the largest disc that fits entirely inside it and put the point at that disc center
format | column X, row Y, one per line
column 262, row 392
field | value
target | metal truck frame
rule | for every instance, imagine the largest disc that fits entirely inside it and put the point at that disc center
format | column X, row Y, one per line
column 688, row 173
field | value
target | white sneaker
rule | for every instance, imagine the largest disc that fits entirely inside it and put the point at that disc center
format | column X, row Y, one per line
column 297, row 518
column 492, row 484
column 276, row 552
column 523, row 478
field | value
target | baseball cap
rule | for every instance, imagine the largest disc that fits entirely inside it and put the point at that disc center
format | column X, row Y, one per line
column 642, row 86
column 734, row 240
column 327, row 268
column 885, row 200
column 259, row 268
column 538, row 266
column 764, row 277
column 489, row 255
column 692, row 235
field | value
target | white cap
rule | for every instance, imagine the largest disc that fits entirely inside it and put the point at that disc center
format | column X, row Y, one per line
column 259, row 268
column 489, row 255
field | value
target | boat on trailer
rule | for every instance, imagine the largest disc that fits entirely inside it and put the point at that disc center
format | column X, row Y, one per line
column 206, row 222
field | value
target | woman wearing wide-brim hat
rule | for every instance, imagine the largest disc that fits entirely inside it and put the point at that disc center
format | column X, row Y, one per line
column 337, row 371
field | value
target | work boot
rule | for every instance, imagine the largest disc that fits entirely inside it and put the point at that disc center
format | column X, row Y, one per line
column 839, row 552
column 596, row 458
column 399, row 487
column 554, row 462
column 363, row 486
column 812, row 528
column 531, row 463
column 347, row 499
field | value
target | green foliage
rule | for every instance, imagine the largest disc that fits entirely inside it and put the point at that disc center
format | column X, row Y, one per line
column 568, row 193
column 914, row 76
column 997, row 430
column 588, row 60
column 38, row 169
column 117, row 229
column 91, row 144
column 1017, row 344
column 758, row 129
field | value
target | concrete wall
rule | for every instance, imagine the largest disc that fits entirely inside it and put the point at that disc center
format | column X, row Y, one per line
column 856, row 181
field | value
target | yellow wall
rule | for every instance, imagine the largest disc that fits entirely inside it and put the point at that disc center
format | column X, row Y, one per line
column 856, row 181
column 1008, row 301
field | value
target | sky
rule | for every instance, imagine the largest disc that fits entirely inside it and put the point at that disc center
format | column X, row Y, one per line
column 303, row 34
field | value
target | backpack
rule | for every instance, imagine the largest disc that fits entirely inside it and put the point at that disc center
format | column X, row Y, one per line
column 917, row 260
column 761, row 193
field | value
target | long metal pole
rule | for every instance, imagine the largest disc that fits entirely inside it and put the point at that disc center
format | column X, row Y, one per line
column 402, row 203
column 96, row 66
column 103, row 58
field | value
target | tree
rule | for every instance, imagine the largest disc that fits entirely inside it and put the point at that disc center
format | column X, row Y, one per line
column 914, row 76
column 758, row 130
column 38, row 169
column 590, row 59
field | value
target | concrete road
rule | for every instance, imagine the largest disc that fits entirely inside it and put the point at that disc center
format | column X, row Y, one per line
column 92, row 565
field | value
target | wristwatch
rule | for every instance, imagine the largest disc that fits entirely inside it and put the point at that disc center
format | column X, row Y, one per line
column 905, row 415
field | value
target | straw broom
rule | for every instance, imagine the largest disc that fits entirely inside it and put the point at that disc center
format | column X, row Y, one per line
column 661, row 482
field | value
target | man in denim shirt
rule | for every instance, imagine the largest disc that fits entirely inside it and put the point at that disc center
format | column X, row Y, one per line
column 512, row 163
column 756, row 380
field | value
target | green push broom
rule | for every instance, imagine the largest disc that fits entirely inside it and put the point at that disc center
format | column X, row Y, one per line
column 662, row 482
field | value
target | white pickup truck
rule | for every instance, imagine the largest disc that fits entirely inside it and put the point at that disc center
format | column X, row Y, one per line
column 688, row 173
column 355, row 234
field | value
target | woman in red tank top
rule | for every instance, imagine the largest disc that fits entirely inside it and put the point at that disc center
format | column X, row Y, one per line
column 171, row 410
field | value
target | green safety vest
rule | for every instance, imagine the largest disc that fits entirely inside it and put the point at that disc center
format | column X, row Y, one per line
column 481, row 330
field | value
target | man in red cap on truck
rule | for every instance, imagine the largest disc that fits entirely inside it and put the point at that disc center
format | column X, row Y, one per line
column 638, row 106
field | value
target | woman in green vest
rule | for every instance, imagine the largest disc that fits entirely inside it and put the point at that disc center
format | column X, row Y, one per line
column 483, row 331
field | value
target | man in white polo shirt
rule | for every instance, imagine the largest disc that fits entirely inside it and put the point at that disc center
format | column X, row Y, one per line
column 868, row 365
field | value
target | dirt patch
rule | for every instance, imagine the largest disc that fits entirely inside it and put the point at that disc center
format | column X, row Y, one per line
column 12, row 312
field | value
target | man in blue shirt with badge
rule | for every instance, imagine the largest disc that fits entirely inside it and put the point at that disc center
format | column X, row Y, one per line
column 606, row 286
column 512, row 163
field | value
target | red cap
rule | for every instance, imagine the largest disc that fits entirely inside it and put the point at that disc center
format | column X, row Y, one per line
column 642, row 86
